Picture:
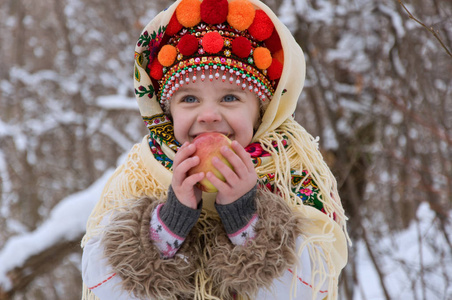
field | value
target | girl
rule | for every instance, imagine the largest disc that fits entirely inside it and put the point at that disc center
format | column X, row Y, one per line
column 276, row 228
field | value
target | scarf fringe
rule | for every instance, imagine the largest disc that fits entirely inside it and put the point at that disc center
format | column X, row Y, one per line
column 203, row 284
column 88, row 294
column 130, row 181
column 303, row 154
column 323, row 270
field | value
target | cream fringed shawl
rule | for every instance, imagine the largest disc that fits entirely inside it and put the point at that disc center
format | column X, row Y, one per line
column 327, row 237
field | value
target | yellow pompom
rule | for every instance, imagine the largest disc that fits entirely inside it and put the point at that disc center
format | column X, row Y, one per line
column 241, row 14
column 167, row 55
column 262, row 58
column 188, row 13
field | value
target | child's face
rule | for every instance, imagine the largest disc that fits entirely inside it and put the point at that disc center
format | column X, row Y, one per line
column 214, row 106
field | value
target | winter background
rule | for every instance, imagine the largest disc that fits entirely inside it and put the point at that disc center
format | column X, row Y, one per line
column 378, row 94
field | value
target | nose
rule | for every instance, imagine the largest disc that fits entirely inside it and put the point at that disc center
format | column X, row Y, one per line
column 209, row 114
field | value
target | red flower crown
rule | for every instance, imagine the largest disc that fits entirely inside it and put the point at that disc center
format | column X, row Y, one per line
column 214, row 39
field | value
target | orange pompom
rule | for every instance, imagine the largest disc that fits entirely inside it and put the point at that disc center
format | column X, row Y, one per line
column 212, row 42
column 262, row 27
column 275, row 70
column 279, row 55
column 167, row 55
column 262, row 58
column 156, row 70
column 241, row 14
column 188, row 12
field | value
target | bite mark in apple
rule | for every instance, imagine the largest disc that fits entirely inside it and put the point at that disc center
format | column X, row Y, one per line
column 208, row 145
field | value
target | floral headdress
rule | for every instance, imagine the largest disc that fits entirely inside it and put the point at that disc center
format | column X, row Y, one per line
column 216, row 39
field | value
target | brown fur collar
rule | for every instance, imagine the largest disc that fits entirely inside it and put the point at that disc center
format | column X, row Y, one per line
column 137, row 260
column 246, row 269
column 207, row 250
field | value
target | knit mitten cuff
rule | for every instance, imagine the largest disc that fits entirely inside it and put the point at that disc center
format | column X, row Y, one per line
column 179, row 218
column 236, row 215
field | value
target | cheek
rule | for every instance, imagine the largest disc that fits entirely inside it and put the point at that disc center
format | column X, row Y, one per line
column 257, row 120
column 177, row 126
column 258, row 113
column 182, row 123
column 180, row 135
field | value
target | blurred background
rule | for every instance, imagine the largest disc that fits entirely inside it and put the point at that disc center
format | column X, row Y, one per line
column 378, row 94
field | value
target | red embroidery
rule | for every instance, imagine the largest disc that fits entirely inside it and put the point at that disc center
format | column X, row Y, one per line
column 304, row 282
column 98, row 285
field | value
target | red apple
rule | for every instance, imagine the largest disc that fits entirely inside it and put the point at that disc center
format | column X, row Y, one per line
column 208, row 145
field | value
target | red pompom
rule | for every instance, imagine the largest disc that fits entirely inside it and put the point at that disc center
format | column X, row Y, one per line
column 273, row 43
column 188, row 44
column 241, row 47
column 212, row 42
column 173, row 26
column 275, row 70
column 156, row 69
column 214, row 11
column 262, row 27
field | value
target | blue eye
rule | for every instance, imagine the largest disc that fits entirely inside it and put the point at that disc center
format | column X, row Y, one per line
column 229, row 98
column 189, row 99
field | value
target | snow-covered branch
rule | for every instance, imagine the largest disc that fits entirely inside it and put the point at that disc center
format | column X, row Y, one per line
column 25, row 256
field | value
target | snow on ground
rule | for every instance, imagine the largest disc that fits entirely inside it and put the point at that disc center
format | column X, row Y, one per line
column 416, row 262
column 66, row 222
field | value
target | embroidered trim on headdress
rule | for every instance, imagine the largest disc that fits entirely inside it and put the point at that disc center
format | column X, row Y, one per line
column 213, row 39
column 186, row 71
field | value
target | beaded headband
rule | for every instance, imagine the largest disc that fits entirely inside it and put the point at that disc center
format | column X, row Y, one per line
column 215, row 39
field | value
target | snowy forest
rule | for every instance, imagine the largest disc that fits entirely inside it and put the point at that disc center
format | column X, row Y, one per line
column 378, row 94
